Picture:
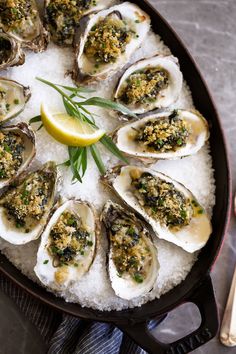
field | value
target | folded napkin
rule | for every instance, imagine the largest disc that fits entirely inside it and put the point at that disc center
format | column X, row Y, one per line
column 64, row 334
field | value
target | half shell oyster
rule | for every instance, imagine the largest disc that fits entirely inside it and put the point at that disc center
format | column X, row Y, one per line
column 17, row 150
column 133, row 265
column 166, row 135
column 62, row 17
column 150, row 83
column 10, row 52
column 171, row 209
column 68, row 245
column 13, row 97
column 105, row 41
column 20, row 19
column 26, row 205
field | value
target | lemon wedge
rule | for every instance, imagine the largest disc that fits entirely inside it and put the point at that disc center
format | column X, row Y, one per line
column 69, row 130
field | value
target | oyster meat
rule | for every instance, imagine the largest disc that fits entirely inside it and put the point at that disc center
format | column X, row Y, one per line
column 166, row 135
column 10, row 52
column 171, row 209
column 17, row 150
column 26, row 205
column 13, row 97
column 150, row 83
column 68, row 245
column 20, row 19
column 133, row 264
column 62, row 17
column 105, row 41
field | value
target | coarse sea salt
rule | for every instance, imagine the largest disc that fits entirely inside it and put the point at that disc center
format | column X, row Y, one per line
column 94, row 289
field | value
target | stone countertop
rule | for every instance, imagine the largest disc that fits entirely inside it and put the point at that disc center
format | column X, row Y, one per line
column 208, row 29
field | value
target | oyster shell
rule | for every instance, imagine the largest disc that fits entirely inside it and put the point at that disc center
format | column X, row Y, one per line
column 68, row 245
column 17, row 146
column 10, row 52
column 171, row 209
column 165, row 135
column 150, row 83
column 21, row 20
column 99, row 53
column 133, row 264
column 62, row 17
column 26, row 205
column 13, row 97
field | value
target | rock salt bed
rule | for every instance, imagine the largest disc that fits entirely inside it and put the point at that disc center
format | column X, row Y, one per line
column 94, row 289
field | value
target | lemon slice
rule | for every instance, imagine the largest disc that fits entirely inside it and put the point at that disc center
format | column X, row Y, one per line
column 69, row 130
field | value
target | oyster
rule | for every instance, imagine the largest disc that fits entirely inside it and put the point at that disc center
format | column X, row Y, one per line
column 68, row 245
column 20, row 19
column 133, row 265
column 17, row 149
column 165, row 135
column 62, row 17
column 106, row 40
column 13, row 97
column 171, row 209
column 10, row 52
column 25, row 206
column 151, row 83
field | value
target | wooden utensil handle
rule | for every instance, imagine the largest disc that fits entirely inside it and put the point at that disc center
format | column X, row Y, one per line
column 228, row 327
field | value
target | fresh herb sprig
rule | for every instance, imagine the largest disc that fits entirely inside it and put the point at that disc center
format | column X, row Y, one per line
column 76, row 104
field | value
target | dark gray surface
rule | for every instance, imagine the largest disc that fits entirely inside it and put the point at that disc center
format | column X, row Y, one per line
column 17, row 334
column 208, row 27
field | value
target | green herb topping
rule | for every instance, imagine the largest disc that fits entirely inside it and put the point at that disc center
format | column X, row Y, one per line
column 130, row 253
column 144, row 86
column 161, row 200
column 163, row 134
column 68, row 239
column 107, row 40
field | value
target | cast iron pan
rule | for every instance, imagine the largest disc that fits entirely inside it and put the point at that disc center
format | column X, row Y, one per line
column 197, row 287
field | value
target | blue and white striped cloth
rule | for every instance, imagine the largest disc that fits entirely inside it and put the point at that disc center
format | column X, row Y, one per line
column 64, row 334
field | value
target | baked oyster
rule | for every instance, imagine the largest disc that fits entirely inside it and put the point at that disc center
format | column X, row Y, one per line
column 20, row 19
column 17, row 150
column 105, row 41
column 10, row 52
column 68, row 245
column 13, row 97
column 171, row 209
column 166, row 135
column 62, row 17
column 25, row 206
column 133, row 265
column 150, row 83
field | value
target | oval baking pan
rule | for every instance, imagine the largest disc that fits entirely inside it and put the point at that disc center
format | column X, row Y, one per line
column 197, row 287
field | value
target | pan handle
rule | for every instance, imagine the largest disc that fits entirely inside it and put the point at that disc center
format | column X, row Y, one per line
column 204, row 298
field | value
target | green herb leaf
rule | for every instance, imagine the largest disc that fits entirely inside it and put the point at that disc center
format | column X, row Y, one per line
column 108, row 104
column 97, row 158
column 65, row 163
column 84, row 161
column 74, row 154
column 111, row 146
column 75, row 90
column 40, row 127
column 35, row 119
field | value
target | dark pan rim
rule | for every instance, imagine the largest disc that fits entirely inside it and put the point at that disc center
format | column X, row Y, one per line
column 148, row 310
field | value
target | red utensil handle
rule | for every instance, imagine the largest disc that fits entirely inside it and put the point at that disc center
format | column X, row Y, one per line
column 204, row 298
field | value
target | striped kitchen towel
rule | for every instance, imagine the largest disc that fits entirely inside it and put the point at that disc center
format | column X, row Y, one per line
column 64, row 334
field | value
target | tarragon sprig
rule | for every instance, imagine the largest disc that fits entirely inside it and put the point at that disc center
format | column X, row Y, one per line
column 76, row 105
